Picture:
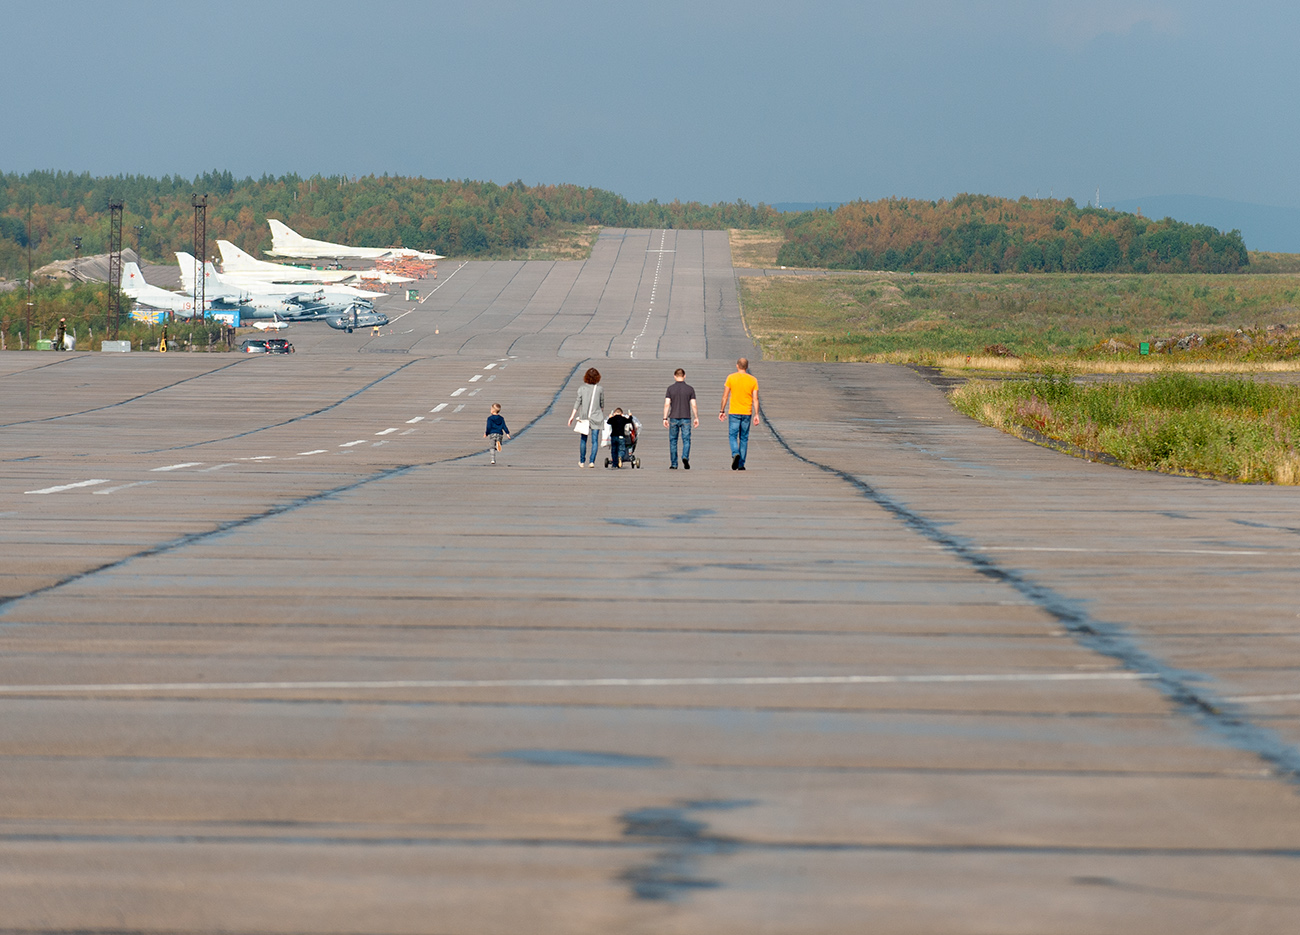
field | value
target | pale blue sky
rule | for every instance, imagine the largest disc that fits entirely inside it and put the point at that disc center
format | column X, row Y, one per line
column 807, row 101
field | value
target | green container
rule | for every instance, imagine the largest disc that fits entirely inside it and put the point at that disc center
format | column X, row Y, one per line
column 45, row 344
column 1144, row 347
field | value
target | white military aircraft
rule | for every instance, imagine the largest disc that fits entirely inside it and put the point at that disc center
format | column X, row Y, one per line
column 238, row 266
column 285, row 242
column 134, row 286
column 300, row 304
column 338, row 298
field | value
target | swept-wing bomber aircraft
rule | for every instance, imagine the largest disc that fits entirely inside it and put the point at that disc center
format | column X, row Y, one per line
column 238, row 266
column 289, row 243
column 322, row 300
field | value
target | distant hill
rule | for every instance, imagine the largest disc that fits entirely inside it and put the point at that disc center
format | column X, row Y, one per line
column 986, row 234
column 1263, row 227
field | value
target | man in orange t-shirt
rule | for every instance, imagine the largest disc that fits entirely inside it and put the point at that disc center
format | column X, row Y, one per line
column 742, row 391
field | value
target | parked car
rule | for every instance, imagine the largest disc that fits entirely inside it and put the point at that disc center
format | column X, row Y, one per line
column 278, row 346
column 253, row 346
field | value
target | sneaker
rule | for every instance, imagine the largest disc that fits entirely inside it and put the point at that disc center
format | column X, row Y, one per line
column 735, row 462
column 686, row 464
column 672, row 467
column 592, row 464
column 741, row 468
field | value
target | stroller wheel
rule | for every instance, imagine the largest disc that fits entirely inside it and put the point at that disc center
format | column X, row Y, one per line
column 607, row 462
column 636, row 463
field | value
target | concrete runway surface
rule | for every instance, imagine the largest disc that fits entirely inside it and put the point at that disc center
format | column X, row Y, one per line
column 283, row 653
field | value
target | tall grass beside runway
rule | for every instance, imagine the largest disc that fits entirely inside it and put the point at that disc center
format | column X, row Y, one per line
column 1228, row 428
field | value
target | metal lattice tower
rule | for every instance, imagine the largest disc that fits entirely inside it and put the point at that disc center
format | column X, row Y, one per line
column 200, row 252
column 114, row 267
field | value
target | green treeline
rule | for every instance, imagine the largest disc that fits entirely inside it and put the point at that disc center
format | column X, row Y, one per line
column 969, row 233
column 983, row 234
column 456, row 218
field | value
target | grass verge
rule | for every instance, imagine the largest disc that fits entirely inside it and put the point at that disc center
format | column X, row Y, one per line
column 1222, row 427
column 1095, row 317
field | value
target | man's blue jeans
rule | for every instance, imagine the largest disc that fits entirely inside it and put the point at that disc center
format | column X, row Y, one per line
column 738, row 432
column 676, row 427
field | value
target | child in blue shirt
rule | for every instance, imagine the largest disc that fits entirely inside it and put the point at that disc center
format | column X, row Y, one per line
column 496, row 427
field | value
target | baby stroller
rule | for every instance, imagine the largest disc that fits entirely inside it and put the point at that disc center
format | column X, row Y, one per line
column 630, row 434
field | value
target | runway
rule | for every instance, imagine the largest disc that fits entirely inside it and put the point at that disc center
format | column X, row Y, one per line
column 283, row 652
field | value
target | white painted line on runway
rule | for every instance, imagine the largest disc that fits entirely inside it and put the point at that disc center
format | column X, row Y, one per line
column 409, row 431
column 444, row 282
column 740, row 681
column 176, row 467
column 476, row 378
column 258, row 458
column 459, row 408
column 359, row 441
column 1259, row 699
column 217, row 467
column 1017, row 548
column 386, row 432
column 459, row 391
column 377, row 444
column 413, row 421
column 489, row 366
column 139, row 483
column 491, row 378
column 475, row 392
column 439, row 407
column 318, row 451
column 63, row 487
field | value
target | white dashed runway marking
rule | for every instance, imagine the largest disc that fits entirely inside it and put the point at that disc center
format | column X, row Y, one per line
column 63, row 487
column 439, row 407
column 177, row 467
column 139, row 483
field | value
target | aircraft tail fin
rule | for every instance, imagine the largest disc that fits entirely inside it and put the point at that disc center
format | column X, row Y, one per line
column 282, row 236
column 132, row 278
column 187, row 270
column 232, row 258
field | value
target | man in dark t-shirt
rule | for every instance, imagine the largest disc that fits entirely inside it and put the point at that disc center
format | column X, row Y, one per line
column 680, row 413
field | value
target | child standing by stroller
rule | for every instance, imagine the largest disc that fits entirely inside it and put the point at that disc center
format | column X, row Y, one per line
column 622, row 440
column 496, row 428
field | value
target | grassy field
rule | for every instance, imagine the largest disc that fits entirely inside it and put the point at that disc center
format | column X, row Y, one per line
column 1228, row 428
column 755, row 249
column 872, row 316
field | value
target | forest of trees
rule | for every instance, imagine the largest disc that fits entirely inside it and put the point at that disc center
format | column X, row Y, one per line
column 969, row 233
column 456, row 218
column 984, row 234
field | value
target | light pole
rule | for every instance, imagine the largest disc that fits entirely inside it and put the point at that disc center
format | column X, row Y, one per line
column 139, row 235
column 76, row 258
